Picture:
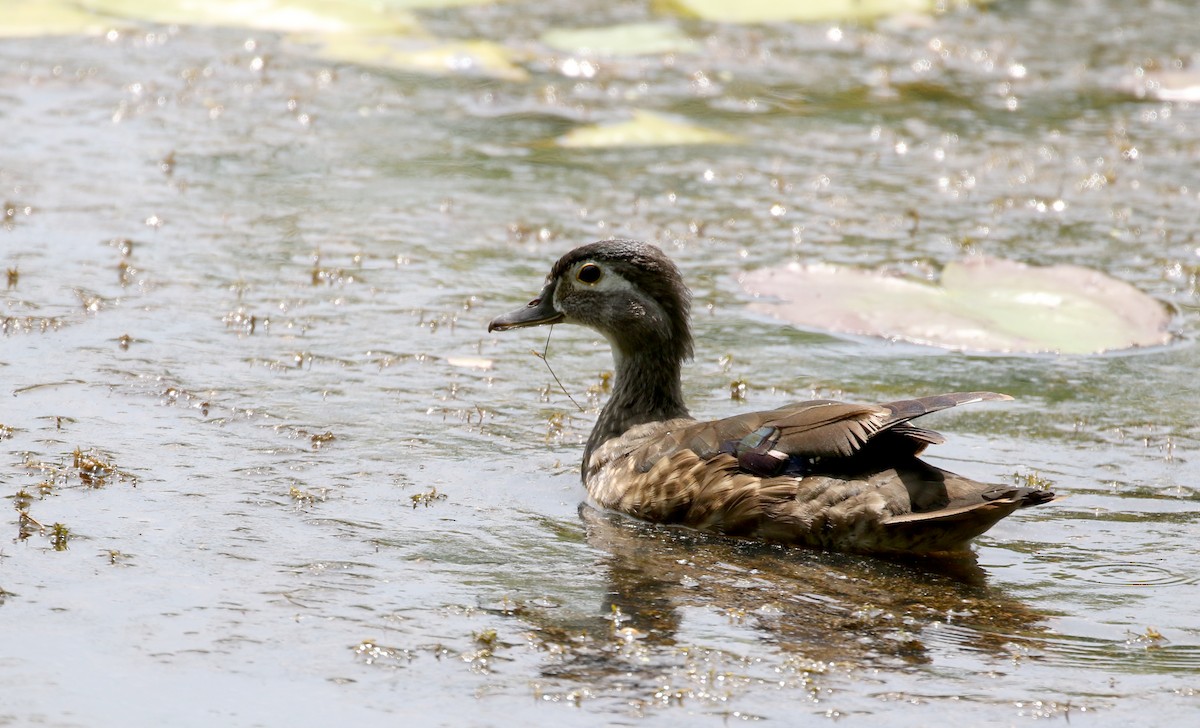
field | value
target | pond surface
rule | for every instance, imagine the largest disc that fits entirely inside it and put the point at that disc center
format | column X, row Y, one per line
column 267, row 467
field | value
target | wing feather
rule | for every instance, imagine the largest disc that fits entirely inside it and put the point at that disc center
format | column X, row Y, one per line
column 804, row 432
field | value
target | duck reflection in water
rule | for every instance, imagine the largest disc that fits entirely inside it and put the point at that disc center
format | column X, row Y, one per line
column 677, row 601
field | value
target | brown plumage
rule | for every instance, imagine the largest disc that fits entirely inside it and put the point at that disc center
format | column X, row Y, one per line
column 823, row 473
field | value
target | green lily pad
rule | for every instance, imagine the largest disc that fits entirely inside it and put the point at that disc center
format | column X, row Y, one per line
column 770, row 11
column 982, row 304
column 432, row 4
column 621, row 40
column 23, row 19
column 424, row 55
column 645, row 129
column 1178, row 86
column 292, row 16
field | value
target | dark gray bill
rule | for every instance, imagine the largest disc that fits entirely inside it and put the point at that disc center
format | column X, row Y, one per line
column 535, row 313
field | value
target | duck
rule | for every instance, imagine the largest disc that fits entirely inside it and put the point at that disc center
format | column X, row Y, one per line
column 823, row 474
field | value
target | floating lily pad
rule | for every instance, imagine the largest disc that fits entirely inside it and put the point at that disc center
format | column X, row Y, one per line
column 1179, row 86
column 621, row 40
column 430, row 4
column 645, row 129
column 23, row 19
column 769, row 11
column 981, row 304
column 424, row 55
column 469, row 362
column 292, row 16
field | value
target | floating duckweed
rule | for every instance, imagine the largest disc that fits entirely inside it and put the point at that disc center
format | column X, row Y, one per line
column 321, row 439
column 306, row 498
column 480, row 659
column 125, row 273
column 333, row 276
column 22, row 500
column 598, row 391
column 92, row 468
column 371, row 652
column 242, row 321
column 428, row 498
column 1032, row 479
column 93, row 471
column 124, row 246
column 59, row 536
column 1151, row 638
column 29, row 324
column 485, row 639
column 556, row 424
column 26, row 524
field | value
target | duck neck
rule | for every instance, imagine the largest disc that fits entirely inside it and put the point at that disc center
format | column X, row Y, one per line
column 646, row 388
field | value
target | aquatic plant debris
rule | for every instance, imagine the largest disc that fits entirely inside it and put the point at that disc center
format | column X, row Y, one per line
column 981, row 304
column 771, row 11
column 645, row 129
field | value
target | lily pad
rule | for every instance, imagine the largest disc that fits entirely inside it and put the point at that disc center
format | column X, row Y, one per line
column 424, row 55
column 982, row 304
column 645, row 129
column 1179, row 86
column 621, row 40
column 23, row 19
column 770, row 11
column 291, row 16
column 431, row 4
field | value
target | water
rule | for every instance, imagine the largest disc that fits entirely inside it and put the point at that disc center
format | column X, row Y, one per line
column 254, row 297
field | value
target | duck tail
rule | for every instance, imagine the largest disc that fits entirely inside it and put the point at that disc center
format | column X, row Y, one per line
column 951, row 529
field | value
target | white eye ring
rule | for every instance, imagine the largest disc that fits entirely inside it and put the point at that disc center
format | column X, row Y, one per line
column 589, row 273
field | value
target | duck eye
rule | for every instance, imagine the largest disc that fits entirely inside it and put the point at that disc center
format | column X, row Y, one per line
column 589, row 273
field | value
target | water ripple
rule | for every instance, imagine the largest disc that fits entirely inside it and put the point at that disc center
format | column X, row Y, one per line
column 1129, row 573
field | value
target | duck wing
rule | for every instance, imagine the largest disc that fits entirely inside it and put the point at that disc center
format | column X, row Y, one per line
column 801, row 438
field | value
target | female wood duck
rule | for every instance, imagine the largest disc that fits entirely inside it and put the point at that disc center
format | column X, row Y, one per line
column 822, row 473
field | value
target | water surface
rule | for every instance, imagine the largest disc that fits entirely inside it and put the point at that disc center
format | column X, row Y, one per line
column 253, row 295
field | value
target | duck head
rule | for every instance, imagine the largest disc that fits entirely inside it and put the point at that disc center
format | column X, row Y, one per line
column 628, row 291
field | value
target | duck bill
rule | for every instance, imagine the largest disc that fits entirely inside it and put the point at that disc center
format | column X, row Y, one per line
column 537, row 312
